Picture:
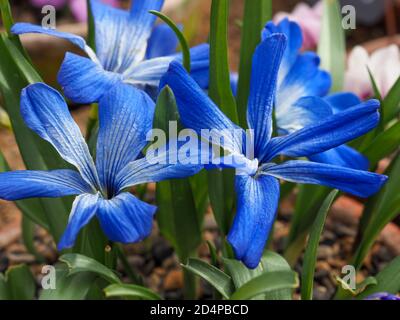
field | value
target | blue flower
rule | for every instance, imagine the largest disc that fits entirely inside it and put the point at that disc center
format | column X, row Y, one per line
column 125, row 118
column 257, row 181
column 383, row 296
column 129, row 49
column 302, row 95
column 301, row 87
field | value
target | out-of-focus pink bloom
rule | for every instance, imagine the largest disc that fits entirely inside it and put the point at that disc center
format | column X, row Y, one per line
column 384, row 65
column 309, row 19
column 78, row 7
column 56, row 3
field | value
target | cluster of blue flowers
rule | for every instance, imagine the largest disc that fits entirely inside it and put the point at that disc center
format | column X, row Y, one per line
column 133, row 59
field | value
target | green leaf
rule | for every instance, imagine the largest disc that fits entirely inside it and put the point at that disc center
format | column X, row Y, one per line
column 15, row 74
column 8, row 22
column 3, row 288
column 332, row 46
column 69, row 287
column 309, row 200
column 388, row 280
column 310, row 256
column 378, row 212
column 382, row 145
column 20, row 283
column 220, row 85
column 199, row 185
column 180, row 36
column 6, row 15
column 267, row 283
column 130, row 291
column 270, row 262
column 91, row 38
column 78, row 263
column 221, row 183
column 391, row 102
column 256, row 14
column 215, row 277
column 221, row 192
column 177, row 215
column 28, row 237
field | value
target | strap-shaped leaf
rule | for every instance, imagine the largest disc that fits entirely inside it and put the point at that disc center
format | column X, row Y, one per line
column 310, row 256
column 78, row 263
column 130, row 291
column 215, row 277
column 378, row 212
column 256, row 14
column 267, row 283
column 388, row 280
column 332, row 46
column 270, row 262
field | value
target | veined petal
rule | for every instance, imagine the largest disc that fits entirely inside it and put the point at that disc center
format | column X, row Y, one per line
column 83, row 210
column 164, row 163
column 16, row 185
column 342, row 101
column 292, row 31
column 356, row 182
column 162, row 42
column 125, row 119
column 45, row 112
column 199, row 113
column 149, row 72
column 326, row 134
column 305, row 111
column 126, row 219
column 84, row 81
column 121, row 36
column 303, row 79
column 23, row 27
column 266, row 61
column 257, row 202
column 199, row 64
column 343, row 156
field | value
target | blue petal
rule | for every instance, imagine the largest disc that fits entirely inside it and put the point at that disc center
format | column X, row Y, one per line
column 294, row 36
column 121, row 36
column 343, row 156
column 125, row 218
column 304, row 79
column 198, row 112
column 199, row 64
column 256, row 208
column 326, row 134
column 83, row 210
column 357, row 182
column 149, row 72
column 22, row 28
column 18, row 185
column 45, row 112
column 266, row 62
column 125, row 119
column 83, row 80
column 162, row 42
column 164, row 163
column 342, row 101
column 303, row 112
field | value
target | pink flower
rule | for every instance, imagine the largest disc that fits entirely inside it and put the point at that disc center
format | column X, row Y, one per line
column 78, row 7
column 384, row 64
column 309, row 19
